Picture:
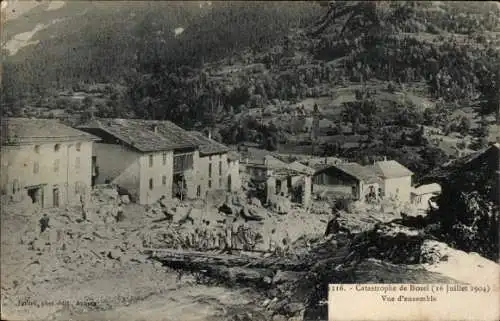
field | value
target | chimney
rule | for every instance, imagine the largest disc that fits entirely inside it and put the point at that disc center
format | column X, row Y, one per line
column 385, row 158
column 210, row 134
column 155, row 128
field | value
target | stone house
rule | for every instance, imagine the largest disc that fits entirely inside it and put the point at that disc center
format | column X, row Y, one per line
column 346, row 179
column 396, row 180
column 292, row 181
column 217, row 168
column 260, row 168
column 45, row 160
column 145, row 158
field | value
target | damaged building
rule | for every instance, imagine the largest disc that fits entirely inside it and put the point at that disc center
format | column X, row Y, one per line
column 150, row 159
column 290, row 183
column 217, row 167
column 45, row 160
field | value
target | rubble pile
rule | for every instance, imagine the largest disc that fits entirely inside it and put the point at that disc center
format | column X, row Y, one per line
column 364, row 220
column 390, row 242
column 432, row 252
column 77, row 243
column 280, row 204
column 321, row 207
column 108, row 232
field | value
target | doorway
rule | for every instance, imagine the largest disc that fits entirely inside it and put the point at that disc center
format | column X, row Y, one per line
column 36, row 194
column 55, row 196
column 179, row 188
column 229, row 183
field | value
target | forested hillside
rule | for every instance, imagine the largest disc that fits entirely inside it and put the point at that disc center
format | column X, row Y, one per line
column 442, row 52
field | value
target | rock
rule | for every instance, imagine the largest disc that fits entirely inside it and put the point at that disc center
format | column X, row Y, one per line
column 164, row 202
column 125, row 199
column 38, row 245
column 286, row 276
column 139, row 259
column 256, row 202
column 110, row 193
column 115, row 254
column 292, row 308
column 279, row 317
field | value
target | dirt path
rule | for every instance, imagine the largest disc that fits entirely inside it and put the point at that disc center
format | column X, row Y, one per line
column 144, row 292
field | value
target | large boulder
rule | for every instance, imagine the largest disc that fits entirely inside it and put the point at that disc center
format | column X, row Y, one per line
column 125, row 199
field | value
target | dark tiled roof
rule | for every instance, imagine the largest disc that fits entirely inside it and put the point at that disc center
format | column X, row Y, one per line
column 320, row 166
column 141, row 134
column 207, row 145
column 360, row 172
column 30, row 130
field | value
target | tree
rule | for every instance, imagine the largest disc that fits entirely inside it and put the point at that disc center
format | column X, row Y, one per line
column 87, row 102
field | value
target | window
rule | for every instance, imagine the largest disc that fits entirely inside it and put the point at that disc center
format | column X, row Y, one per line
column 220, row 182
column 220, row 168
column 164, row 158
column 198, row 191
column 15, row 186
column 37, row 149
column 57, row 147
column 164, row 180
column 183, row 162
column 150, row 160
column 77, row 163
column 278, row 186
column 210, row 170
column 209, row 183
column 36, row 168
column 56, row 165
column 79, row 187
column 78, row 147
column 151, row 184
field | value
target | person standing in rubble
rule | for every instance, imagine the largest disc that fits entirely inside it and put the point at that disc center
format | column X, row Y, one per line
column 203, row 238
column 235, row 229
column 44, row 223
column 272, row 244
column 228, row 235
column 286, row 243
column 221, row 241
column 196, row 239
column 246, row 236
column 84, row 210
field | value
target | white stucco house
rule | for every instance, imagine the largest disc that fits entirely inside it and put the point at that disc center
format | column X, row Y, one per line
column 396, row 180
column 150, row 159
column 45, row 160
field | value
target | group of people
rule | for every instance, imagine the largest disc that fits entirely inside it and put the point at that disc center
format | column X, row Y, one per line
column 234, row 236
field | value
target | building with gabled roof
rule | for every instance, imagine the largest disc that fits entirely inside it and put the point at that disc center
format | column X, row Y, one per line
column 143, row 135
column 396, row 180
column 217, row 168
column 150, row 159
column 45, row 160
column 347, row 179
